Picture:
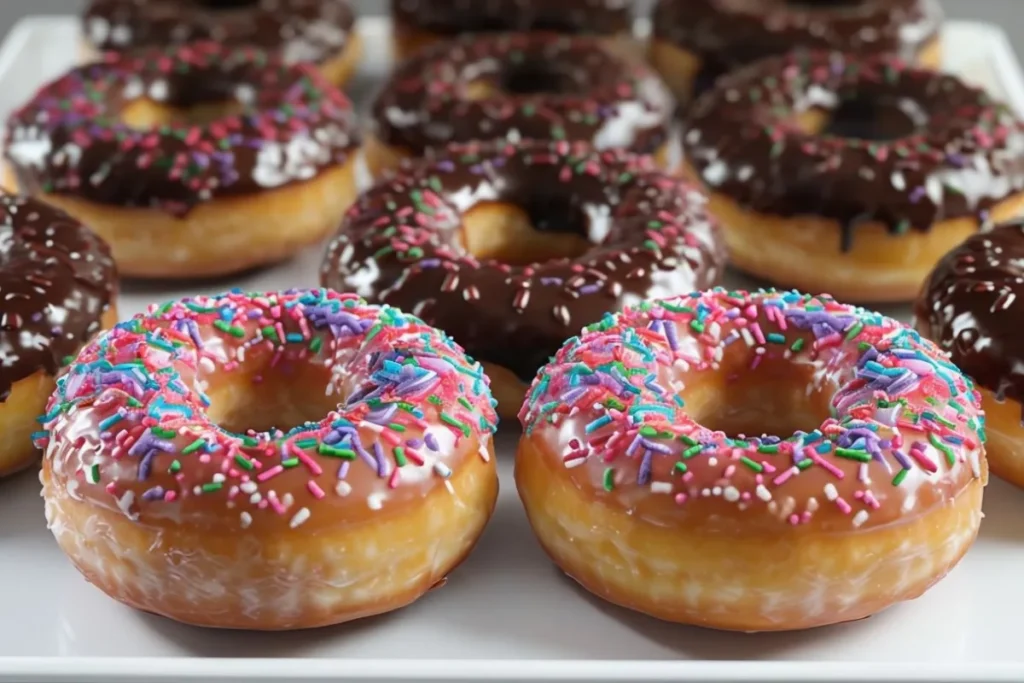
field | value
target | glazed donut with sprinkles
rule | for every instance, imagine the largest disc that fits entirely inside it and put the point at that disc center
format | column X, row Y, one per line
column 852, row 176
column 317, row 31
column 519, row 86
column 752, row 461
column 511, row 248
column 419, row 23
column 191, row 161
column 203, row 458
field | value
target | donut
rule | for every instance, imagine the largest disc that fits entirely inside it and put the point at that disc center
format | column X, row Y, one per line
column 144, row 149
column 694, row 42
column 269, row 461
column 968, row 306
column 760, row 461
column 316, row 31
column 59, row 285
column 511, row 248
column 419, row 23
column 519, row 86
column 851, row 176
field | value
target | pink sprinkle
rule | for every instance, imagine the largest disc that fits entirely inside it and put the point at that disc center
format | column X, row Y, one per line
column 310, row 464
column 170, row 496
column 829, row 467
column 275, row 503
column 843, row 505
column 204, row 458
column 393, row 480
column 315, row 489
column 758, row 334
column 680, row 498
column 794, row 519
column 784, row 477
column 272, row 472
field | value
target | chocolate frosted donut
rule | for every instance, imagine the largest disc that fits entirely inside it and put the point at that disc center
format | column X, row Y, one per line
column 848, row 175
column 512, row 248
column 972, row 306
column 58, row 282
column 418, row 23
column 696, row 41
column 516, row 86
column 318, row 31
column 151, row 146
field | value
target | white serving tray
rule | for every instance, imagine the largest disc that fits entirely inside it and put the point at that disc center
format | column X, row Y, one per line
column 506, row 614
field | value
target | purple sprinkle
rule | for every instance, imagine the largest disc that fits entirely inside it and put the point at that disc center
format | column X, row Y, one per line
column 343, row 470
column 154, row 493
column 382, row 464
column 645, row 468
column 431, row 442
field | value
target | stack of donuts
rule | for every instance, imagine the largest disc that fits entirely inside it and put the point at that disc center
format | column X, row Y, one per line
column 551, row 204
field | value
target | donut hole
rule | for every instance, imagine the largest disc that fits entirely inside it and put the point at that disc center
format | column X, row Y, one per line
column 777, row 398
column 529, row 77
column 539, row 229
column 145, row 114
column 257, row 397
column 870, row 119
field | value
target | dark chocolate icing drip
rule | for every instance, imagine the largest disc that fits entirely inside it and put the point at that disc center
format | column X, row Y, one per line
column 57, row 280
column 71, row 139
column 651, row 237
column 601, row 97
column 964, row 153
column 300, row 30
column 725, row 34
column 972, row 306
column 602, row 17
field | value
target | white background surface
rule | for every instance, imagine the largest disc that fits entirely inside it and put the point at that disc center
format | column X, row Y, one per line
column 506, row 602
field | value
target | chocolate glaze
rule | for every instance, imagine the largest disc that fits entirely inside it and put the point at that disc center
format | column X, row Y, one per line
column 725, row 34
column 972, row 306
column 964, row 154
column 460, row 16
column 402, row 244
column 301, row 30
column 595, row 95
column 57, row 279
column 70, row 139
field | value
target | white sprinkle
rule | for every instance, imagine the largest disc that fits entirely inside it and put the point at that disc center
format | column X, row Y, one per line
column 343, row 488
column 246, row 520
column 731, row 494
column 484, row 453
column 442, row 470
column 972, row 458
column 661, row 487
column 448, row 485
column 300, row 517
column 372, row 427
column 716, row 490
column 248, row 487
column 207, row 364
column 712, row 461
column 287, row 500
column 255, row 498
column 830, row 491
column 219, row 478
column 860, row 518
column 763, row 493
column 569, row 464
column 375, row 501
column 125, row 503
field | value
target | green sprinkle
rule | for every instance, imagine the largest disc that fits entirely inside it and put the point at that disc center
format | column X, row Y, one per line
column 752, row 464
column 243, row 462
column 290, row 463
column 462, row 426
column 681, row 467
column 164, row 433
column 797, row 345
column 212, row 486
column 326, row 449
column 609, row 479
column 900, row 476
column 94, row 474
column 853, row 454
column 233, row 330
column 776, row 338
column 175, row 467
column 400, row 458
column 804, row 464
column 691, row 451
column 768, row 448
column 271, row 334
column 946, row 450
column 316, row 344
